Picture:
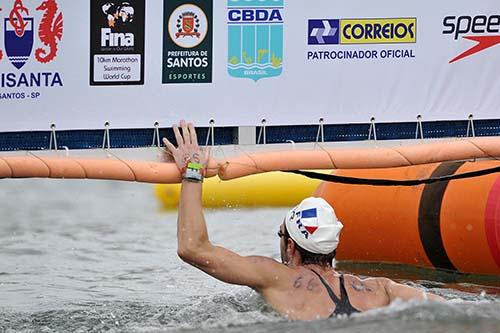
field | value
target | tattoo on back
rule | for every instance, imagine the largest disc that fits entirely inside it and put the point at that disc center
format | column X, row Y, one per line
column 310, row 285
column 360, row 286
column 298, row 283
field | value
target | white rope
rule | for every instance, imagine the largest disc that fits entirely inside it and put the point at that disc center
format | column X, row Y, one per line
column 419, row 130
column 106, row 142
column 321, row 133
column 470, row 126
column 156, row 135
column 211, row 133
column 262, row 132
column 53, row 137
column 372, row 129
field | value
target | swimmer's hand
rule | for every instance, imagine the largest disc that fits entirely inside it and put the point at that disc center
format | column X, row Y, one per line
column 187, row 146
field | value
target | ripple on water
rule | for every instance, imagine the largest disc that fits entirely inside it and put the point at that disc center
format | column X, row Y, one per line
column 22, row 252
column 245, row 311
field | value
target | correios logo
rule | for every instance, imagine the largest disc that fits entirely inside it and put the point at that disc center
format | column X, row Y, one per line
column 19, row 40
column 484, row 30
column 362, row 31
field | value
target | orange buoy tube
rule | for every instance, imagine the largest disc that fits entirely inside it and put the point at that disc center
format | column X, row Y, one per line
column 452, row 225
column 360, row 158
column 82, row 168
column 249, row 164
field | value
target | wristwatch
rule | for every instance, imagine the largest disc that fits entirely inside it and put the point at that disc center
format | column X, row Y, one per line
column 193, row 172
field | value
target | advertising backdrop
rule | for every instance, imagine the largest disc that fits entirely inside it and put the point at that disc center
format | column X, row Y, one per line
column 78, row 64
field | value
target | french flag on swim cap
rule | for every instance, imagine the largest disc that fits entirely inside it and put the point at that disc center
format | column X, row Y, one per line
column 313, row 225
column 308, row 218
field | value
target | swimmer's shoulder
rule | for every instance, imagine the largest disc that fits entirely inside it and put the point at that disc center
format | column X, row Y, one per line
column 366, row 284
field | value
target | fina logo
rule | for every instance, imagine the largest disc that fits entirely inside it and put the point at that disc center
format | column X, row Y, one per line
column 19, row 33
column 255, row 38
column 118, row 16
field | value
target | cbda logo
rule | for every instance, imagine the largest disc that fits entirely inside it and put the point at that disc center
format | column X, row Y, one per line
column 471, row 26
column 255, row 38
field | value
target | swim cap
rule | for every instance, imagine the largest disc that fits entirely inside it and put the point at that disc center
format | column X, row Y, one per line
column 314, row 226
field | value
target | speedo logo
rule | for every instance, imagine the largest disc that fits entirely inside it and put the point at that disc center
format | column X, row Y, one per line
column 482, row 29
column 362, row 31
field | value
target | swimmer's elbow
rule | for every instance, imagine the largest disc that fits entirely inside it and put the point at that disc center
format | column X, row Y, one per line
column 187, row 254
column 184, row 254
column 191, row 254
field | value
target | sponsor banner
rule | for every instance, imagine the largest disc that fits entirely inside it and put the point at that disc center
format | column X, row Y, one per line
column 31, row 34
column 361, row 31
column 483, row 30
column 187, row 41
column 255, row 38
column 241, row 61
column 117, row 32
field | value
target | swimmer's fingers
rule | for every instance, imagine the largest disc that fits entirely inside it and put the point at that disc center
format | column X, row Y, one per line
column 206, row 155
column 171, row 148
column 185, row 132
column 178, row 136
column 192, row 133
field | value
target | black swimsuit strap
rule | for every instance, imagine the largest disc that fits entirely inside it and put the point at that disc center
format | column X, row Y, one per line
column 332, row 295
column 342, row 305
column 343, row 291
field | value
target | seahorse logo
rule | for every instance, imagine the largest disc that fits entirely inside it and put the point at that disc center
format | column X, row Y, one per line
column 50, row 31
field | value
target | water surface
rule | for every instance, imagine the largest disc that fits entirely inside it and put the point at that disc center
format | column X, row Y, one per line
column 101, row 256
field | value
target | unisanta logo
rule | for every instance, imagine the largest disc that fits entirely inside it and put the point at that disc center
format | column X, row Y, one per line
column 19, row 39
column 188, row 26
column 255, row 38
column 362, row 31
column 19, row 33
column 482, row 29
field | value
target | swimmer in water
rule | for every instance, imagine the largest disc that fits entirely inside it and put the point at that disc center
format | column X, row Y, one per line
column 305, row 286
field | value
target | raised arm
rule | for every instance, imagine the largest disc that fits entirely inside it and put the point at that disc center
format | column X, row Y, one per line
column 193, row 244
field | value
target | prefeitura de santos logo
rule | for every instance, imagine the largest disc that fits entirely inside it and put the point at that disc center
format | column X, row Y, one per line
column 188, row 26
column 187, row 41
column 26, row 40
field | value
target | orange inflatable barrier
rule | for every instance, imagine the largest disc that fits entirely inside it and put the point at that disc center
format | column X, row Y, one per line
column 447, row 225
column 357, row 158
column 83, row 168
column 249, row 164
